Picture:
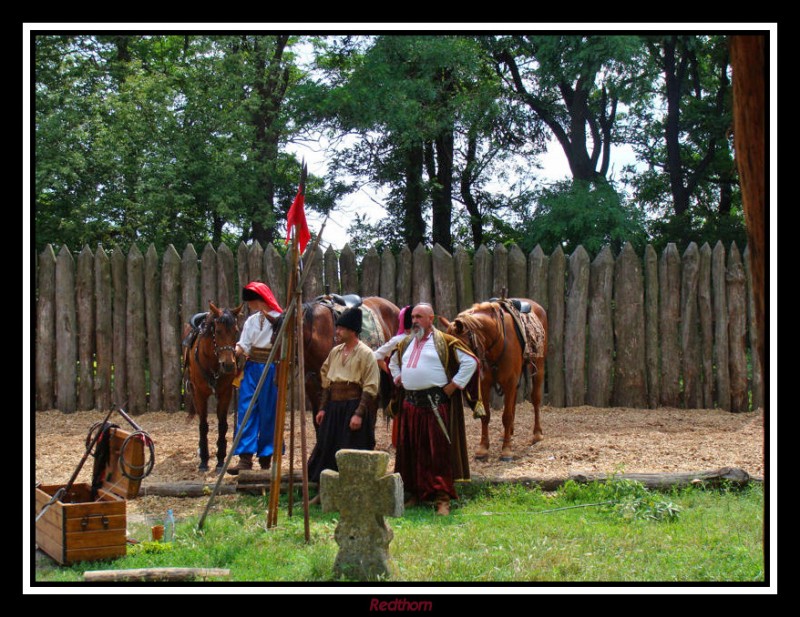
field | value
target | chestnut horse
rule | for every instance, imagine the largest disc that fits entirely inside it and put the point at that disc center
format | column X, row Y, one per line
column 319, row 330
column 209, row 368
column 489, row 329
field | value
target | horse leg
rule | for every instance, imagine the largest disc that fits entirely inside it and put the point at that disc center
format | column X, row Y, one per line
column 536, row 399
column 223, row 403
column 482, row 452
column 201, row 405
column 509, row 404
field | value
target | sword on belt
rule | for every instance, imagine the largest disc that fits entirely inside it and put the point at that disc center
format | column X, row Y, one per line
column 435, row 409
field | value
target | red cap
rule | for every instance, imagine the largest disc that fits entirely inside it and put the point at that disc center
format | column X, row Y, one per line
column 263, row 292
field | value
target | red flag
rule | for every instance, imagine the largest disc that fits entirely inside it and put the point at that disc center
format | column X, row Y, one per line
column 297, row 216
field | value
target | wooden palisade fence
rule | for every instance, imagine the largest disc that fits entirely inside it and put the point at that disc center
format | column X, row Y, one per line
column 668, row 330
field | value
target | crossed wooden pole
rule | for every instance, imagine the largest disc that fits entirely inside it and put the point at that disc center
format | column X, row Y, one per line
column 291, row 330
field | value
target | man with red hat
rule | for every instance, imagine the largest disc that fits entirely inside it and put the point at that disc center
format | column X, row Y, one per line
column 255, row 343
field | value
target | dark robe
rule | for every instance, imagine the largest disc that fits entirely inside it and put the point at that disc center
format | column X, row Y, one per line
column 425, row 460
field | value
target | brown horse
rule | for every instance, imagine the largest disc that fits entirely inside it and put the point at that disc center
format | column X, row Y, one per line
column 489, row 329
column 319, row 329
column 209, row 368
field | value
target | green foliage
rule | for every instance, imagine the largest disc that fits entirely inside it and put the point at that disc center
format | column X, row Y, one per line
column 573, row 213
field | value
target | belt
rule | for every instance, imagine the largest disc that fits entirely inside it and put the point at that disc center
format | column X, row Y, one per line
column 420, row 398
column 344, row 390
column 259, row 354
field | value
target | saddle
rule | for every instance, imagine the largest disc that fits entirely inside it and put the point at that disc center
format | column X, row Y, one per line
column 371, row 331
column 522, row 307
column 194, row 324
column 527, row 326
column 347, row 300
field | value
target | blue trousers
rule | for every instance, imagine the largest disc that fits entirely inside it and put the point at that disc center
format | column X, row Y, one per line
column 257, row 436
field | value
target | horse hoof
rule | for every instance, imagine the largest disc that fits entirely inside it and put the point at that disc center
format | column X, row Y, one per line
column 218, row 469
column 482, row 453
column 507, row 458
column 202, row 467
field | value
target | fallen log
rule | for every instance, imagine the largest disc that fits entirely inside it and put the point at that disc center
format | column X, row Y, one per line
column 184, row 489
column 732, row 475
column 154, row 574
column 259, row 481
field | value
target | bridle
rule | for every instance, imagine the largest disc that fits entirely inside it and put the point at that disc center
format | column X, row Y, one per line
column 211, row 324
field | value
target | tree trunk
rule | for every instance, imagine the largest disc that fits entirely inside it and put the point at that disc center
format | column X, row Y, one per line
column 748, row 59
column 441, row 195
column 413, row 223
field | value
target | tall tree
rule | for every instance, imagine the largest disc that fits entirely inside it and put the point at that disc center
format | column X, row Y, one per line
column 574, row 84
column 683, row 134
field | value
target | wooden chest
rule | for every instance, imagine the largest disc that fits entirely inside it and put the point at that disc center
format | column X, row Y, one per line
column 78, row 527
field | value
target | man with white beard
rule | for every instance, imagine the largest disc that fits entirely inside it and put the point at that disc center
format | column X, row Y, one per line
column 432, row 368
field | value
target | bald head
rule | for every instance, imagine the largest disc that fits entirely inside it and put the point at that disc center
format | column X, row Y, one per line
column 422, row 318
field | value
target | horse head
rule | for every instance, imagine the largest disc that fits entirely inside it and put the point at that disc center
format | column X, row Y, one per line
column 223, row 326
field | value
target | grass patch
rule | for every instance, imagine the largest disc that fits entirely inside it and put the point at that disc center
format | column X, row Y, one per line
column 614, row 531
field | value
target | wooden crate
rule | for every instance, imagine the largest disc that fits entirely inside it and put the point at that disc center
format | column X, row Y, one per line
column 78, row 528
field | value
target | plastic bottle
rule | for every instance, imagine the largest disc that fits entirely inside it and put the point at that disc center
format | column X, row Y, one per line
column 169, row 526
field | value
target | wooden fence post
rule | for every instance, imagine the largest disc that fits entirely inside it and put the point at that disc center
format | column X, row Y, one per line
column 444, row 282
column 104, row 334
column 601, row 336
column 330, row 270
column 225, row 278
column 421, row 276
column 537, row 278
column 556, row 284
column 405, row 263
column 482, row 274
column 651, row 326
column 388, row 276
column 171, row 329
column 371, row 273
column 463, row 271
column 705, row 310
column 66, row 332
column 119, row 278
column 737, row 330
column 499, row 272
column 242, row 275
column 720, row 301
column 152, row 314
column 84, row 302
column 630, row 381
column 669, row 320
column 313, row 286
column 46, row 318
column 136, row 334
column 189, row 286
column 575, row 327
column 690, row 342
column 757, row 384
column 517, row 273
column 348, row 270
column 274, row 273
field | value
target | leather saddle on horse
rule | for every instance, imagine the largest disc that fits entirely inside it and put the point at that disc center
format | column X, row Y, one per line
column 347, row 300
column 195, row 323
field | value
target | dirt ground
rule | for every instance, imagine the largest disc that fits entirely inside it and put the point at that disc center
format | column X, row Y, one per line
column 576, row 439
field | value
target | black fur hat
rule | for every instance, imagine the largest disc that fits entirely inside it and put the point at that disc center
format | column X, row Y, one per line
column 351, row 319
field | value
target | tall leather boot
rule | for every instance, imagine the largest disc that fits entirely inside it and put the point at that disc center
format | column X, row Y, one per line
column 265, row 461
column 245, row 463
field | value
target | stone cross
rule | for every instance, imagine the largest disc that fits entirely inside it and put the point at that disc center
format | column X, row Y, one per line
column 363, row 493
